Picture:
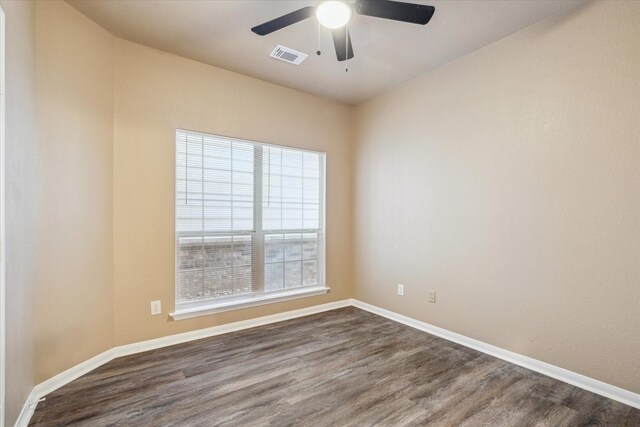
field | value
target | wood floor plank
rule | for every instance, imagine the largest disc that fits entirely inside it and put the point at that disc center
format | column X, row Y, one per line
column 344, row 367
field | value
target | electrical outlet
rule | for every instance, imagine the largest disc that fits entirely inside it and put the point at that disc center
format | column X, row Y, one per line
column 431, row 296
column 156, row 307
column 400, row 289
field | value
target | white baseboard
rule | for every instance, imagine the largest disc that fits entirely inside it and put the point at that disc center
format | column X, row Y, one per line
column 139, row 347
column 73, row 373
column 578, row 380
column 27, row 410
column 573, row 378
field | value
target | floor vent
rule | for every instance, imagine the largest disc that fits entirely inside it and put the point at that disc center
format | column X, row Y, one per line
column 289, row 55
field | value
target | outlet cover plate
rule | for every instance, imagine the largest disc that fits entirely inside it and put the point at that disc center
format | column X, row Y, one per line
column 431, row 296
column 156, row 307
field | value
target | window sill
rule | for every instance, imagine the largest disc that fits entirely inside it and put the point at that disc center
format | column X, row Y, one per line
column 237, row 304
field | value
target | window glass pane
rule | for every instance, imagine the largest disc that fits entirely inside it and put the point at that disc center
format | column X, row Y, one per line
column 191, row 285
column 291, row 217
column 218, row 253
column 242, row 251
column 293, row 247
column 292, row 274
column 273, row 277
column 242, row 280
column 310, row 246
column 213, row 267
column 291, row 260
column 292, row 163
column 311, row 166
column 273, row 262
column 274, row 248
column 214, row 184
column 309, row 273
column 218, row 283
column 290, row 189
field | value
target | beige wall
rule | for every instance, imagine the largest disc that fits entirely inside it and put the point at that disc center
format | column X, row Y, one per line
column 155, row 93
column 508, row 181
column 20, row 196
column 74, row 87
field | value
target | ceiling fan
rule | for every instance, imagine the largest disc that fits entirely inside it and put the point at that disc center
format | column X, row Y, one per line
column 336, row 14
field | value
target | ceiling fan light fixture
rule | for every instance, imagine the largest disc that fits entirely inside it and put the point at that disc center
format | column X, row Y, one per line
column 333, row 14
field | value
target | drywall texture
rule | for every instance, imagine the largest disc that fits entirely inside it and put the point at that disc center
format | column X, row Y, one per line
column 20, row 196
column 508, row 182
column 156, row 93
column 74, row 89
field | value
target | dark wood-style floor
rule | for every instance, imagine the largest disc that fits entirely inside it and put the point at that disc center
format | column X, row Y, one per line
column 345, row 367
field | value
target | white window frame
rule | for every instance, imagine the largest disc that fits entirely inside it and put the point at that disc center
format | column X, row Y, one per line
column 218, row 305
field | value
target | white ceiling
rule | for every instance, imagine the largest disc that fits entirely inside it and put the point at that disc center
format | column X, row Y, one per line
column 387, row 53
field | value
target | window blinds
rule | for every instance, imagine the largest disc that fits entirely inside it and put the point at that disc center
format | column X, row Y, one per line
column 249, row 218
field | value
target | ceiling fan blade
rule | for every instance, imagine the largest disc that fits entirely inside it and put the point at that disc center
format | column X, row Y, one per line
column 340, row 38
column 283, row 21
column 395, row 10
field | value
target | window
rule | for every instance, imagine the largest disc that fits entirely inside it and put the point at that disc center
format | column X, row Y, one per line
column 249, row 223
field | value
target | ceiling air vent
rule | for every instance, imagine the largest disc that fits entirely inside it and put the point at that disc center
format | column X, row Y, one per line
column 289, row 55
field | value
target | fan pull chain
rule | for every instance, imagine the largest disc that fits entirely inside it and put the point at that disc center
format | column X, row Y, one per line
column 318, row 51
column 346, row 42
